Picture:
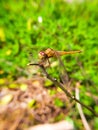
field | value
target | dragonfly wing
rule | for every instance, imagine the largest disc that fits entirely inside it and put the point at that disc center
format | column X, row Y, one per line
column 62, row 70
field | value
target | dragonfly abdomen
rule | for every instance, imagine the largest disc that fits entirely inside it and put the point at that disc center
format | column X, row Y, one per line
column 61, row 53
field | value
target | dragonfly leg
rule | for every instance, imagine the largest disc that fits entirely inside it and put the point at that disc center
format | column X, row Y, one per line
column 49, row 64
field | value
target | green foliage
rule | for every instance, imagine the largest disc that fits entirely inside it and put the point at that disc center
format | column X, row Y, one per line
column 35, row 25
column 59, row 103
column 96, row 123
column 59, row 117
column 64, row 27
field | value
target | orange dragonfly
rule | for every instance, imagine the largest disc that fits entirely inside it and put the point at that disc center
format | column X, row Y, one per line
column 48, row 53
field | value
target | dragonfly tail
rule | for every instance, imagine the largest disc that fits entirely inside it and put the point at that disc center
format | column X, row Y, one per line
column 67, row 52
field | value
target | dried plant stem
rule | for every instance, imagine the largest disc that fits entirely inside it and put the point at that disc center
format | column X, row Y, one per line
column 60, row 85
column 85, row 123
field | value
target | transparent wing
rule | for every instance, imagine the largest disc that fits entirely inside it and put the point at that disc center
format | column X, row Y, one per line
column 62, row 70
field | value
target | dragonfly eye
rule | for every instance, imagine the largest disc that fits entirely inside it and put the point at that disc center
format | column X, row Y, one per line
column 42, row 55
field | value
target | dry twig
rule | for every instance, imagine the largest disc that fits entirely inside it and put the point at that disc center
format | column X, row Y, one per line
column 85, row 123
column 63, row 88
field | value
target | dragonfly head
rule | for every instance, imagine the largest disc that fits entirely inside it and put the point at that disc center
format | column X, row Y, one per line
column 42, row 55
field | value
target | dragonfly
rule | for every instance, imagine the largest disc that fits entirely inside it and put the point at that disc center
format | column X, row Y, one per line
column 45, row 55
column 49, row 53
column 44, row 61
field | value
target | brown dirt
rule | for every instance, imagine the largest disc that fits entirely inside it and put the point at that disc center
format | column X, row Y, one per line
column 31, row 106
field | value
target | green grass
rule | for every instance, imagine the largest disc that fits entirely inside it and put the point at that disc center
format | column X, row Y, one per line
column 64, row 26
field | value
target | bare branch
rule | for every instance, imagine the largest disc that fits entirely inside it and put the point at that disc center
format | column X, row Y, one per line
column 60, row 85
column 85, row 123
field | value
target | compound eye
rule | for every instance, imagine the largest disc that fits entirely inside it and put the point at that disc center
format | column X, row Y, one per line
column 41, row 54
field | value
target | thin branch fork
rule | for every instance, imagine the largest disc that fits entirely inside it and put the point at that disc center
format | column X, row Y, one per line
column 60, row 85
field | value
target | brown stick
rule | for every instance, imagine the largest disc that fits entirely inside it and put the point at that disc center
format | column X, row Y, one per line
column 63, row 89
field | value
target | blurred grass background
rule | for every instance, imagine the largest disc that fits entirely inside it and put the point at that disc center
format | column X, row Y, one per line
column 59, row 24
